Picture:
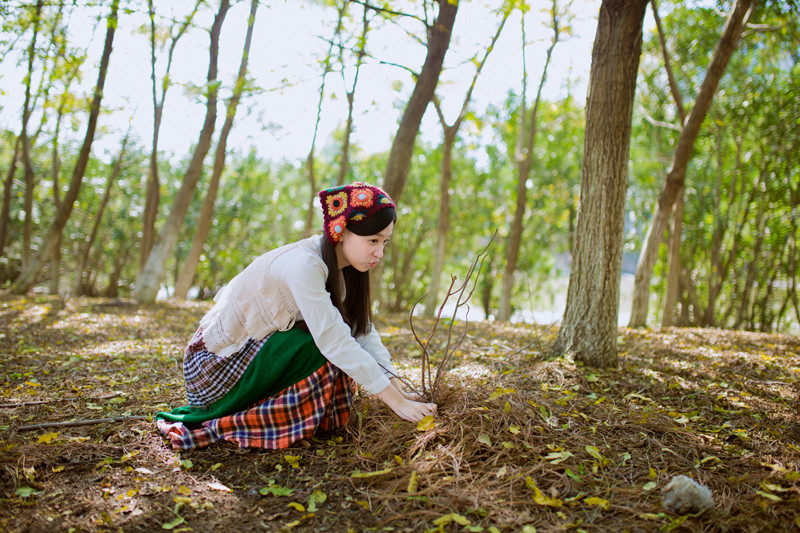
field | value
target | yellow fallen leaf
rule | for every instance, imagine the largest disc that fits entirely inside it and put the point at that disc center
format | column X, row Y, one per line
column 599, row 502
column 540, row 498
column 483, row 438
column 514, row 429
column 500, row 391
column 769, row 496
column 360, row 474
column 450, row 518
column 293, row 460
column 427, row 423
column 47, row 438
column 594, row 452
column 58, row 468
column 296, row 506
column 412, row 483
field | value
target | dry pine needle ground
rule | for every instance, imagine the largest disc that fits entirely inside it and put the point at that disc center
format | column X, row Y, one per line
column 521, row 443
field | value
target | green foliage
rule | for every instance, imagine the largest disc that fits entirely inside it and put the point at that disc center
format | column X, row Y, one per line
column 742, row 183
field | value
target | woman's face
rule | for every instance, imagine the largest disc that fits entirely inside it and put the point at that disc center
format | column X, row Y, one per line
column 362, row 252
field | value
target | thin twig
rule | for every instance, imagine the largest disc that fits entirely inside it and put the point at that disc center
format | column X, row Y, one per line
column 430, row 379
column 53, row 400
column 82, row 422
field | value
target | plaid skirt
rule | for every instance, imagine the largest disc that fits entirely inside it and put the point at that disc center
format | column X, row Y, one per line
column 261, row 410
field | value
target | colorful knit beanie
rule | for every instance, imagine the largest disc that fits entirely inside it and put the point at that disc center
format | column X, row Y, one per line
column 349, row 204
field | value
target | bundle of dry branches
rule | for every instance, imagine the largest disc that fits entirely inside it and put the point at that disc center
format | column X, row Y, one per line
column 432, row 372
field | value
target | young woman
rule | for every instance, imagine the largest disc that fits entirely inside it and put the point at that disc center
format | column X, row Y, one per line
column 280, row 352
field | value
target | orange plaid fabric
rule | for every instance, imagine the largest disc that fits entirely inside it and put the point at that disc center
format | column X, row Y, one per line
column 322, row 400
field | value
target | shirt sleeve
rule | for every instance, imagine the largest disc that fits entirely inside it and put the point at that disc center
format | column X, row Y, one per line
column 305, row 276
column 371, row 342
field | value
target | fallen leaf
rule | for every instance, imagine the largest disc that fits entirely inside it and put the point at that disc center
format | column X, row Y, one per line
column 483, row 438
column 599, row 502
column 47, row 438
column 174, row 523
column 296, row 506
column 316, row 497
column 360, row 474
column 594, row 452
column 426, row 424
column 450, row 518
column 219, row 487
column 293, row 460
column 412, row 483
column 540, row 498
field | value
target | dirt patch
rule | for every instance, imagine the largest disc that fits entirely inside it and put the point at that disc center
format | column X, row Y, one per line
column 522, row 441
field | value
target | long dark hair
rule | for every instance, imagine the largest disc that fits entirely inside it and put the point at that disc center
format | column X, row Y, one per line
column 356, row 309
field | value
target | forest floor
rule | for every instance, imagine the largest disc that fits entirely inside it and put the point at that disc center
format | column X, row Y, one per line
column 523, row 441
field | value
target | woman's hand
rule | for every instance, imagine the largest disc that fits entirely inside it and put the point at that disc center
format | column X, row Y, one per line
column 413, row 396
column 405, row 408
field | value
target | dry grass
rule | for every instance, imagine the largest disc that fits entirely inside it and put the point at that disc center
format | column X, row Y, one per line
column 521, row 441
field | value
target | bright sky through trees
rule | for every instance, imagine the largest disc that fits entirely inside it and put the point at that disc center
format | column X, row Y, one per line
column 289, row 42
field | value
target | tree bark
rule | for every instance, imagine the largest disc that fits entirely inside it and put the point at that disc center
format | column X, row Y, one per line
column 8, row 185
column 449, row 139
column 677, row 173
column 403, row 145
column 153, row 193
column 26, row 144
column 673, row 279
column 589, row 329
column 154, row 272
column 27, row 277
column 344, row 163
column 310, row 159
column 524, row 163
column 187, row 273
column 85, row 248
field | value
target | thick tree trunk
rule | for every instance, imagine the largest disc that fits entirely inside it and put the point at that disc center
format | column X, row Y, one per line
column 154, row 272
column 589, row 329
column 28, row 275
column 403, row 145
column 677, row 174
column 186, row 275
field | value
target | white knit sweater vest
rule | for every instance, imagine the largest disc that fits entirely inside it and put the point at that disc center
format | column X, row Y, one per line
column 252, row 305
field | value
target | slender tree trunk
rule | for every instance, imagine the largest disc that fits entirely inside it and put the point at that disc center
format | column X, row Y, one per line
column 344, row 166
column 154, row 272
column 85, row 248
column 524, row 162
column 443, row 222
column 673, row 279
column 8, row 185
column 677, row 174
column 449, row 139
column 28, row 275
column 403, row 145
column 589, row 329
column 310, row 159
column 153, row 193
column 26, row 144
column 187, row 272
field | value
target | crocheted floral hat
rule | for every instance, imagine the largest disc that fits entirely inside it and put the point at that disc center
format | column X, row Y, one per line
column 349, row 204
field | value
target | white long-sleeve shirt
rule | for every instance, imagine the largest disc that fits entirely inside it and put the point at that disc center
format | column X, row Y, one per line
column 277, row 289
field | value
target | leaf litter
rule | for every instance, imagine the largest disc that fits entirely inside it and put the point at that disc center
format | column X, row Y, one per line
column 522, row 442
